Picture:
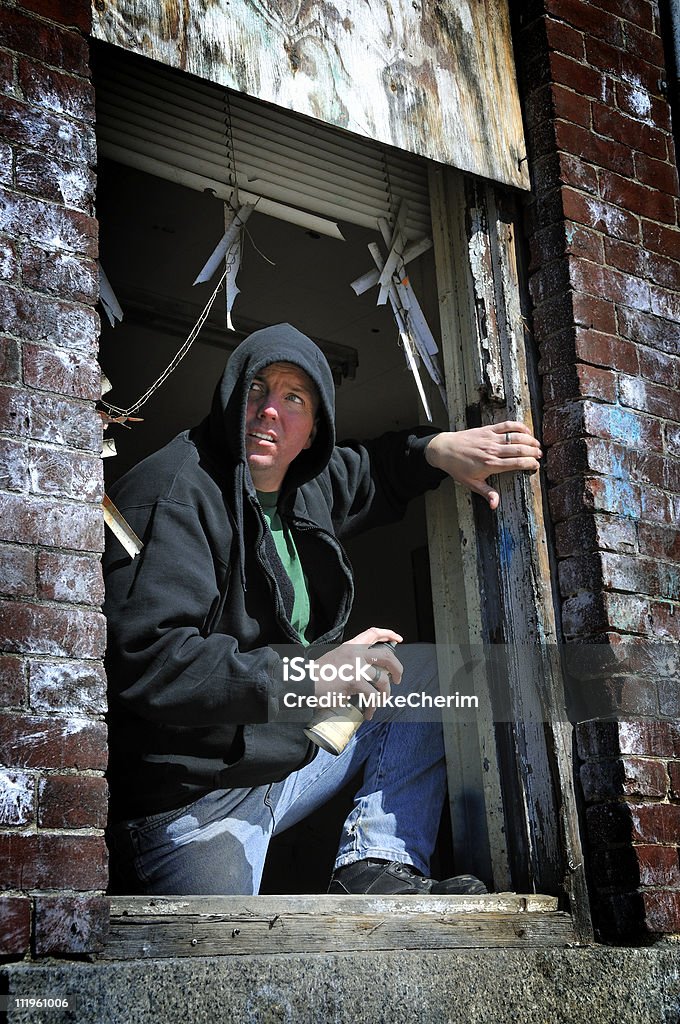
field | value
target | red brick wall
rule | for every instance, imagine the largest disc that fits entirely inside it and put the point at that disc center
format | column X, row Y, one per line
column 52, row 693
column 605, row 282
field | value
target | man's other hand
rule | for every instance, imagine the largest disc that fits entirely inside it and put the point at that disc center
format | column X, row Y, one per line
column 360, row 667
column 472, row 456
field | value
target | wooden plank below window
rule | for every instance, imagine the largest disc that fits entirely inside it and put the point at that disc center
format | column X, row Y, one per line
column 147, row 927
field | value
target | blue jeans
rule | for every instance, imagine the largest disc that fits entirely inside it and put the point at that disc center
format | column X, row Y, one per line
column 217, row 844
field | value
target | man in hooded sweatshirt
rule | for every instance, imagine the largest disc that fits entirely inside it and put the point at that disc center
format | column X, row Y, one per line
column 242, row 520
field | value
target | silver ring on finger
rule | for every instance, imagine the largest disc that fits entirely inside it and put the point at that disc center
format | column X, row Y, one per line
column 507, row 438
column 377, row 672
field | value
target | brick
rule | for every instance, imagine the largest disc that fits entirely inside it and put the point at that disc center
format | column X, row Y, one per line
column 659, row 174
column 72, row 801
column 672, row 437
column 578, row 174
column 54, row 134
column 662, row 911
column 665, row 622
column 636, row 865
column 589, row 278
column 54, row 90
column 604, row 152
column 550, row 280
column 659, row 541
column 17, row 572
column 46, row 418
column 13, row 465
column 611, row 422
column 550, row 318
column 640, row 105
column 69, row 13
column 15, row 926
column 621, row 917
column 571, row 106
column 546, row 245
column 17, row 797
column 584, row 615
column 606, row 350
column 602, row 780
column 665, row 304
column 10, row 361
column 599, row 215
column 658, row 738
column 564, row 39
column 640, row 40
column 637, row 13
column 644, row 823
column 45, row 861
column 9, row 263
column 69, row 687
column 640, row 575
column 52, row 630
column 557, row 349
column 52, row 523
column 674, row 773
column 56, row 46
column 6, row 163
column 34, row 741
column 637, row 261
column 40, row 174
column 566, row 459
column 68, row 925
column 638, row 135
column 37, row 318
column 585, row 243
column 647, row 329
column 575, row 75
column 658, row 865
column 636, row 198
column 582, row 572
column 63, row 274
column 660, row 367
column 54, row 471
column 588, row 18
column 68, row 577
column 603, row 55
column 594, row 314
column 61, row 371
column 52, row 226
column 656, row 506
column 13, row 681
column 580, row 380
column 661, row 238
column 591, row 531
column 636, row 393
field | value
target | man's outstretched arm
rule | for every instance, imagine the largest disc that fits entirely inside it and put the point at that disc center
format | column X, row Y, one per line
column 472, row 456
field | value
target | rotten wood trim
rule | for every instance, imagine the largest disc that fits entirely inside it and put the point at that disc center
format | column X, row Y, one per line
column 506, row 594
column 151, row 927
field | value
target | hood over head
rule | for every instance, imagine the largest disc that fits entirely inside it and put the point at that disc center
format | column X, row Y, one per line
column 280, row 343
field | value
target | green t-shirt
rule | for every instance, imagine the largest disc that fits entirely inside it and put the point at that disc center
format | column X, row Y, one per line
column 285, row 546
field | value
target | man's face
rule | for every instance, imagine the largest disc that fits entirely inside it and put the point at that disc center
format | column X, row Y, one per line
column 280, row 422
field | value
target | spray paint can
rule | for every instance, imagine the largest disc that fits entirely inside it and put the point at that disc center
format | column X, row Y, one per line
column 332, row 730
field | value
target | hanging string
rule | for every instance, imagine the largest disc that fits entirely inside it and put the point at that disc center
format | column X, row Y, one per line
column 176, row 360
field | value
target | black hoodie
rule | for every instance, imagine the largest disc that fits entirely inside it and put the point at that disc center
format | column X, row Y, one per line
column 195, row 690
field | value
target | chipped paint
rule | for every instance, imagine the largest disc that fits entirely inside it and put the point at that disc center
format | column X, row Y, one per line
column 436, row 80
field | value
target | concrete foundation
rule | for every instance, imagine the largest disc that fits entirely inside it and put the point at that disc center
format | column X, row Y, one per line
column 597, row 985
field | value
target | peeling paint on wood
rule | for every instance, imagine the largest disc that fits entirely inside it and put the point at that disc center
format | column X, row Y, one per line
column 436, row 79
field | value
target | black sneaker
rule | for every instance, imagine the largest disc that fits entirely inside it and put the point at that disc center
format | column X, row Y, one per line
column 383, row 878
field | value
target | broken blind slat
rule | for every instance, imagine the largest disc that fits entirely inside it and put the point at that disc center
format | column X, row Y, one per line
column 150, row 116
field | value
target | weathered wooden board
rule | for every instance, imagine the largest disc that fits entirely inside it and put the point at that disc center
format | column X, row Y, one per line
column 436, row 79
column 232, row 925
